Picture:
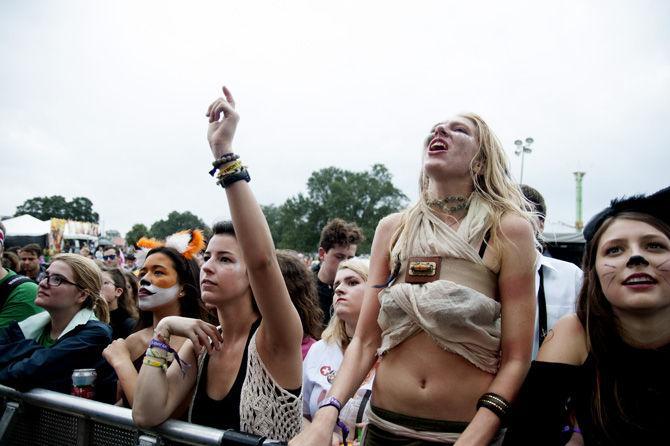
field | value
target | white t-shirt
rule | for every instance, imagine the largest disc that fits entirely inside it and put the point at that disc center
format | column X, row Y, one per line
column 318, row 373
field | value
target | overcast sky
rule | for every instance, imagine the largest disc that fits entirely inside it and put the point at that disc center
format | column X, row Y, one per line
column 107, row 99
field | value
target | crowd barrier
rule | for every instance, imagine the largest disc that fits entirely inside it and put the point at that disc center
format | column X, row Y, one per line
column 43, row 417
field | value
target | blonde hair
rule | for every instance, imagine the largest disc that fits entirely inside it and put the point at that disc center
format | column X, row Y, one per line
column 89, row 277
column 491, row 179
column 335, row 331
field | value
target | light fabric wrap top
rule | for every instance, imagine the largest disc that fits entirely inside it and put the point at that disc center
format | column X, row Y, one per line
column 459, row 310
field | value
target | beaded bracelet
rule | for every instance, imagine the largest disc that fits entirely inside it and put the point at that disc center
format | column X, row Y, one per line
column 496, row 404
column 225, row 159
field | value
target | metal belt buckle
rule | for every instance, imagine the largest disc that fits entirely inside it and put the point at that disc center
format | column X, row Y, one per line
column 423, row 269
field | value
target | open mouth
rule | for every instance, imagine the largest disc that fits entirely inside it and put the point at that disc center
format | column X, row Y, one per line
column 640, row 279
column 437, row 145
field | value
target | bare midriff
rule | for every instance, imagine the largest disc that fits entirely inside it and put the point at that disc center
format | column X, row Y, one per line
column 418, row 378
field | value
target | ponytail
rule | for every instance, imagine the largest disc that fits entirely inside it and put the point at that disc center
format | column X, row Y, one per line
column 101, row 309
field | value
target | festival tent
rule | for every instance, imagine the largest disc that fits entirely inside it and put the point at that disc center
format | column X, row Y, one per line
column 26, row 229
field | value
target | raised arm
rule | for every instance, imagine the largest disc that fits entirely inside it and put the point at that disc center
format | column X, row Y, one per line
column 280, row 333
column 516, row 283
column 360, row 355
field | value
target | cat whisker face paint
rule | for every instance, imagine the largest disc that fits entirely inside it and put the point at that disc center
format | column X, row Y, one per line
column 160, row 282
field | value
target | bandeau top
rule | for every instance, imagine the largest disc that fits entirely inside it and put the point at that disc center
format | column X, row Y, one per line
column 459, row 310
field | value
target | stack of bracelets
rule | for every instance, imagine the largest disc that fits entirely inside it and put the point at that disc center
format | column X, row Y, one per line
column 230, row 170
column 160, row 354
column 496, row 404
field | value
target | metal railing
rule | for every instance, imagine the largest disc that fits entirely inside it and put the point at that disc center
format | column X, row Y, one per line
column 43, row 417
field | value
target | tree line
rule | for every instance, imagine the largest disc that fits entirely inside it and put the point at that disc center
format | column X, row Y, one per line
column 360, row 197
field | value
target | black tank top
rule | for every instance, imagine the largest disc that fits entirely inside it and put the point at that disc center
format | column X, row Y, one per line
column 224, row 413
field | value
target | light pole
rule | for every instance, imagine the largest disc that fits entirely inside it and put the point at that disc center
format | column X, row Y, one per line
column 523, row 147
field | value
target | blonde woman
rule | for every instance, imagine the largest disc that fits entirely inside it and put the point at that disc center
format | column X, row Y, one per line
column 325, row 357
column 43, row 350
column 449, row 309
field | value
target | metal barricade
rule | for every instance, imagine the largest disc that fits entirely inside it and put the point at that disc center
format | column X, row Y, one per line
column 43, row 417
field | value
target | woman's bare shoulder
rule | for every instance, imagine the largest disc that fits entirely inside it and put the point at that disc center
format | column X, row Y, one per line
column 565, row 342
column 390, row 223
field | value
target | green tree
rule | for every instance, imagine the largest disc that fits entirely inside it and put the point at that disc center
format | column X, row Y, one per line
column 360, row 197
column 177, row 221
column 56, row 206
column 81, row 209
column 273, row 216
column 137, row 232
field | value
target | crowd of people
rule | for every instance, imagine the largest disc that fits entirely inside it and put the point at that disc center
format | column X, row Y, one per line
column 459, row 329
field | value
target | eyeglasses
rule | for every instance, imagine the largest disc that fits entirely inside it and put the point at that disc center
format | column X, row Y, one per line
column 56, row 280
column 109, row 257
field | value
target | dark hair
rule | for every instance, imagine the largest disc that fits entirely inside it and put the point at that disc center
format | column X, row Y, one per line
column 11, row 261
column 190, row 305
column 126, row 302
column 603, row 335
column 34, row 248
column 339, row 232
column 131, row 279
column 536, row 199
column 301, row 286
column 223, row 227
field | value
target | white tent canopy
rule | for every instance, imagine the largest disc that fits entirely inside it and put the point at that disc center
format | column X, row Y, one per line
column 26, row 225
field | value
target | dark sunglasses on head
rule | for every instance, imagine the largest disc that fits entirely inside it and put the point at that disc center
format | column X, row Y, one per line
column 109, row 257
column 57, row 280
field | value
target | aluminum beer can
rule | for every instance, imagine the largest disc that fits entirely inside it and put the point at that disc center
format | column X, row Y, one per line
column 83, row 383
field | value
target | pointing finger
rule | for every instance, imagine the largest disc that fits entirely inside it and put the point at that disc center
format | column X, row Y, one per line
column 229, row 96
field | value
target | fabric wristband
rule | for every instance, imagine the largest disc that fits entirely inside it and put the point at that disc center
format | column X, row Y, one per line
column 334, row 402
column 183, row 365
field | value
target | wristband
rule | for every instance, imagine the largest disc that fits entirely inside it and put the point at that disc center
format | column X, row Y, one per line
column 228, row 179
column 496, row 404
column 183, row 365
column 332, row 401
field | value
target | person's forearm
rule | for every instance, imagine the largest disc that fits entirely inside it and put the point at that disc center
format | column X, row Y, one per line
column 485, row 423
column 150, row 405
column 359, row 358
column 127, row 376
column 251, row 228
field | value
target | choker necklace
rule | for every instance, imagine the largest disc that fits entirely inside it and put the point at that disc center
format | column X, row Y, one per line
column 445, row 204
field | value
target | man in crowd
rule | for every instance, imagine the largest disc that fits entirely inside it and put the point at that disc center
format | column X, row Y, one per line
column 339, row 241
column 17, row 293
column 557, row 282
column 130, row 264
column 30, row 262
column 111, row 256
